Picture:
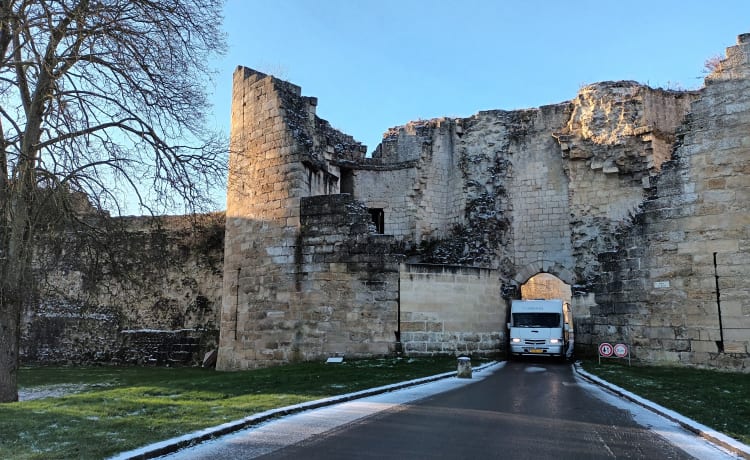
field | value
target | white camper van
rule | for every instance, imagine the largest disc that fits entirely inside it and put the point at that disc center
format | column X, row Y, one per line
column 540, row 327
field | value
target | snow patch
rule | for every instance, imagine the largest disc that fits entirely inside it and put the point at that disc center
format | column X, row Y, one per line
column 54, row 391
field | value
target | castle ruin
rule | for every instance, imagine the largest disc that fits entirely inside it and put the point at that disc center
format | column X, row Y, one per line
column 627, row 201
column 634, row 198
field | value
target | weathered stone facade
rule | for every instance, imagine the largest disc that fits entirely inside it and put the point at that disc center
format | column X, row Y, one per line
column 635, row 198
column 675, row 284
column 304, row 276
column 587, row 190
column 142, row 291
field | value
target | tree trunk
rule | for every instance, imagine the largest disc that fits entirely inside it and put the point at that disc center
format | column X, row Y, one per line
column 10, row 328
column 15, row 285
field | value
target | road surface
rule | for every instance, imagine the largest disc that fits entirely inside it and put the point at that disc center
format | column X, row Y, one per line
column 522, row 410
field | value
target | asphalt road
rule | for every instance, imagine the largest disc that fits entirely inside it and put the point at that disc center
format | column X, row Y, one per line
column 523, row 410
column 527, row 410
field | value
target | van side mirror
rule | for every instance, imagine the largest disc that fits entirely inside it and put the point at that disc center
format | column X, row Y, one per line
column 508, row 324
column 567, row 327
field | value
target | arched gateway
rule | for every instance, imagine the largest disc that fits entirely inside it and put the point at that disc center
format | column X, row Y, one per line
column 546, row 286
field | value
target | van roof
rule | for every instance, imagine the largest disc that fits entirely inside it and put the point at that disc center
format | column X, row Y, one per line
column 553, row 305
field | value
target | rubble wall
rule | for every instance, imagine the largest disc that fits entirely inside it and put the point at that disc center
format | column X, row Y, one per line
column 141, row 291
column 616, row 138
column 414, row 176
column 517, row 191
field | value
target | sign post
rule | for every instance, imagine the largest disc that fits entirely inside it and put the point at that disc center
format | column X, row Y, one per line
column 607, row 350
column 622, row 351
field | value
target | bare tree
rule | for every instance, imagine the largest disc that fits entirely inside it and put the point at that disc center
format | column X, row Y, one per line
column 97, row 97
column 712, row 64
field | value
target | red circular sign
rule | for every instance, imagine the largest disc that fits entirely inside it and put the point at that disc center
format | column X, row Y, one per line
column 606, row 349
column 621, row 350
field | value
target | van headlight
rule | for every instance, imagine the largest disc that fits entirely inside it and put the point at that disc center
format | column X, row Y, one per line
column 515, row 340
column 554, row 341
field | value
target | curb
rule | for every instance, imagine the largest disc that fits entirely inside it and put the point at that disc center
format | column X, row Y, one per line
column 169, row 446
column 711, row 435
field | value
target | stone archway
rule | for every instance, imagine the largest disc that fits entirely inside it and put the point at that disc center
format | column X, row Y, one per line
column 544, row 266
column 546, row 286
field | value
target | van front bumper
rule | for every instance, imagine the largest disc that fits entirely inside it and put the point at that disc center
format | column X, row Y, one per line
column 523, row 349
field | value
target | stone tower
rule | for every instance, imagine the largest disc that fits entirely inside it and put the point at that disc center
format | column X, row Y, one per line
column 303, row 278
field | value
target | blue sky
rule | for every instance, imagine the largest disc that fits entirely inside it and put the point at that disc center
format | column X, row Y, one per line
column 377, row 64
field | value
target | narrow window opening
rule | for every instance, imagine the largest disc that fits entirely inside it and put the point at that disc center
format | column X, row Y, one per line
column 378, row 219
column 347, row 181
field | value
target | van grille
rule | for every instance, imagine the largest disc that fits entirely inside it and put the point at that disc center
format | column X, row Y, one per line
column 533, row 342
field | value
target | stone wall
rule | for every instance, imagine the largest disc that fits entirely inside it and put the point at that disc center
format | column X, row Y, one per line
column 676, row 285
column 517, row 192
column 266, row 179
column 546, row 286
column 344, row 297
column 414, row 176
column 348, row 282
column 128, row 291
column 518, row 189
column 587, row 191
column 615, row 140
column 451, row 310
column 281, row 152
column 496, row 191
column 395, row 199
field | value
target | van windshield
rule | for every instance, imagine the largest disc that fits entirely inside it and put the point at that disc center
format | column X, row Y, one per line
column 536, row 319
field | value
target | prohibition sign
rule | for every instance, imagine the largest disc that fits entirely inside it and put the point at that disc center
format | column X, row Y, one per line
column 605, row 349
column 621, row 350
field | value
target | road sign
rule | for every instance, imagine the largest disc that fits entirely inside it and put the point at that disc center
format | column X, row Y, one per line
column 605, row 350
column 621, row 350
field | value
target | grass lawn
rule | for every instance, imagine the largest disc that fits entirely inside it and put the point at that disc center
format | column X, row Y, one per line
column 118, row 409
column 720, row 400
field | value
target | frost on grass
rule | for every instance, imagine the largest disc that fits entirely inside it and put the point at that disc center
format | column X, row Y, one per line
column 54, row 391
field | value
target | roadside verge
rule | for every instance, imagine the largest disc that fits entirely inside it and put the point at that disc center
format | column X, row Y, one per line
column 720, row 439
